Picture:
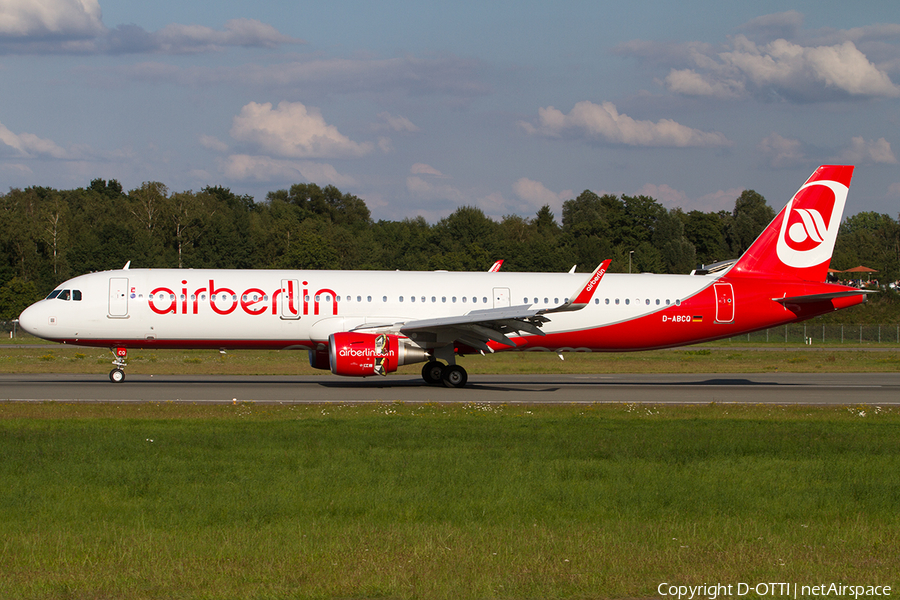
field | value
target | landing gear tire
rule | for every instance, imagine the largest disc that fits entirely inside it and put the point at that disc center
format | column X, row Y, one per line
column 117, row 375
column 454, row 376
column 432, row 372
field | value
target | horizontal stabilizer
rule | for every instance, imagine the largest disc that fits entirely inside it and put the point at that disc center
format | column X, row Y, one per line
column 820, row 297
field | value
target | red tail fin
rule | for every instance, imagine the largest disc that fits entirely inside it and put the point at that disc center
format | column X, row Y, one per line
column 798, row 244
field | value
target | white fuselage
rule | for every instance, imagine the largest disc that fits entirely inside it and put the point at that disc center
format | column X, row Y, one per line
column 282, row 309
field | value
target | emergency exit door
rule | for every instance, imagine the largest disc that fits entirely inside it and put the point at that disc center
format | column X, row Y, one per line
column 501, row 297
column 724, row 302
column 118, row 297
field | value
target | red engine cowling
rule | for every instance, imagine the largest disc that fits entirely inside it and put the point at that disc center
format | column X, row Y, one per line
column 364, row 354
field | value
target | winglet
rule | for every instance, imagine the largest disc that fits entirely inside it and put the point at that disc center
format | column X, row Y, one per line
column 496, row 266
column 585, row 293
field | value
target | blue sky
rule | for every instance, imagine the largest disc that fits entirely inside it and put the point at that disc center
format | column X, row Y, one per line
column 421, row 107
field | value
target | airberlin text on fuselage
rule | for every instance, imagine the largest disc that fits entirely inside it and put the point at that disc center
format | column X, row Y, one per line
column 253, row 301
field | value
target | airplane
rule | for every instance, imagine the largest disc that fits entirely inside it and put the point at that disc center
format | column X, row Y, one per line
column 364, row 323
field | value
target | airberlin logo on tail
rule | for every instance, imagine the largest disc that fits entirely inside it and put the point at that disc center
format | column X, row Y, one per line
column 810, row 225
column 811, row 229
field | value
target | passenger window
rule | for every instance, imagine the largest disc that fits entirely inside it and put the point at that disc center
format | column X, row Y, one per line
column 412, row 298
column 453, row 299
column 465, row 299
column 484, row 300
column 617, row 301
column 647, row 302
column 546, row 300
column 433, row 299
column 627, row 300
column 76, row 295
column 443, row 298
column 423, row 298
column 384, row 298
column 401, row 298
column 607, row 300
column 657, row 301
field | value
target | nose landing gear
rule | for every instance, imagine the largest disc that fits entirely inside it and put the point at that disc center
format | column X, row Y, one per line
column 117, row 375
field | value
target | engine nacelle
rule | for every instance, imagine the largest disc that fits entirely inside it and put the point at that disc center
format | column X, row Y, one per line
column 364, row 354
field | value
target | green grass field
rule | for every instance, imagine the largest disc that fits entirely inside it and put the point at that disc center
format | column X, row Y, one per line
column 430, row 501
column 722, row 358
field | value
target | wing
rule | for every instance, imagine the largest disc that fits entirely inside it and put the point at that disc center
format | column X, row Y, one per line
column 478, row 327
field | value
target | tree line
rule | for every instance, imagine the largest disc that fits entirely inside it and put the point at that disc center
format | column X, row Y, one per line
column 49, row 235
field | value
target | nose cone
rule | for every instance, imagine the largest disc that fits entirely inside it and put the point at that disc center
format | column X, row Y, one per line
column 34, row 319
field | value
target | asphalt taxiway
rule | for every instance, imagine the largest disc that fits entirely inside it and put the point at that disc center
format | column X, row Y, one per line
column 770, row 388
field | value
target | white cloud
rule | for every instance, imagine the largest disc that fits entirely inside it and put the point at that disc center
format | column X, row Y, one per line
column 536, row 195
column 27, row 145
column 781, row 152
column 76, row 27
column 294, row 131
column 187, row 39
column 392, row 123
column 426, row 190
column 894, row 189
column 213, row 143
column 67, row 19
column 861, row 151
column 423, row 169
column 243, row 167
column 672, row 198
column 783, row 25
column 783, row 69
column 690, row 83
column 603, row 122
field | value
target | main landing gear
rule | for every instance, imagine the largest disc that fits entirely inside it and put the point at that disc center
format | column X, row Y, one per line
column 452, row 376
column 117, row 375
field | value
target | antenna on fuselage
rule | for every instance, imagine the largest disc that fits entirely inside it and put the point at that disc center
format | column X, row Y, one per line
column 128, row 264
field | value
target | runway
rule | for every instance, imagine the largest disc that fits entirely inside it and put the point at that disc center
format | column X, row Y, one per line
column 766, row 388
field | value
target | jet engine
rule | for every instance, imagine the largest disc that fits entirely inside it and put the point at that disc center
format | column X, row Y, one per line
column 364, row 354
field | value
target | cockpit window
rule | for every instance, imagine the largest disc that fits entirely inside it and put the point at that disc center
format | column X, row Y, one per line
column 65, row 295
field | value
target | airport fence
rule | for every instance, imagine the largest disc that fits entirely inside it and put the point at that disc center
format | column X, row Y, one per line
column 814, row 334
